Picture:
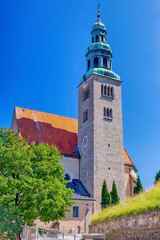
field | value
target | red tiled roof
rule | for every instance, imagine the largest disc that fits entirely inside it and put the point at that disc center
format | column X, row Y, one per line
column 48, row 128
column 59, row 131
column 127, row 159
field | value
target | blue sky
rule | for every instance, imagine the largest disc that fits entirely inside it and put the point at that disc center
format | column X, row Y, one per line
column 42, row 59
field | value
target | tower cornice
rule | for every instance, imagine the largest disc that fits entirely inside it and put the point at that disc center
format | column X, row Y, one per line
column 101, row 72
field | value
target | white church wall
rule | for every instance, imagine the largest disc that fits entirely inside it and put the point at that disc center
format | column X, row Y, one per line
column 71, row 165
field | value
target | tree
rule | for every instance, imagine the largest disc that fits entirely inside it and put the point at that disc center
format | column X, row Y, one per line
column 105, row 196
column 114, row 194
column 138, row 187
column 32, row 184
column 157, row 177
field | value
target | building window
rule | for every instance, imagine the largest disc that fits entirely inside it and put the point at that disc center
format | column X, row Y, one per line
column 102, row 38
column 67, row 177
column 89, row 63
column 96, row 62
column 112, row 92
column 107, row 91
column 92, row 39
column 104, row 62
column 102, row 89
column 76, row 212
column 85, row 116
column 108, row 113
column 96, row 38
column 85, row 94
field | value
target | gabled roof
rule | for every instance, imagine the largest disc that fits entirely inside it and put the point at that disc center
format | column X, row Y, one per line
column 48, row 128
column 59, row 131
column 127, row 159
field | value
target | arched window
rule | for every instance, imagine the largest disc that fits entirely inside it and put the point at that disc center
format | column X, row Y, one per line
column 104, row 62
column 104, row 112
column 112, row 92
column 108, row 91
column 89, row 63
column 92, row 39
column 105, row 90
column 96, row 62
column 102, row 89
column 107, row 112
column 96, row 38
column 110, row 113
column 85, row 93
column 67, row 177
column 85, row 116
column 102, row 38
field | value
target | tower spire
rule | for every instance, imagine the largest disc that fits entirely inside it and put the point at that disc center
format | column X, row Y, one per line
column 98, row 16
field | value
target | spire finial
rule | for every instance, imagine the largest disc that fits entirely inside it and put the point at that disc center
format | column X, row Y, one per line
column 98, row 12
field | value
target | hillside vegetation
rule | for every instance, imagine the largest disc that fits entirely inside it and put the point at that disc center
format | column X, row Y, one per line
column 143, row 202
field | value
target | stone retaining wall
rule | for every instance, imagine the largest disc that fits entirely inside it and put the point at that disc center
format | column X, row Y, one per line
column 142, row 226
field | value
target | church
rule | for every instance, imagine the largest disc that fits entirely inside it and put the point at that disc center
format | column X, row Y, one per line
column 92, row 146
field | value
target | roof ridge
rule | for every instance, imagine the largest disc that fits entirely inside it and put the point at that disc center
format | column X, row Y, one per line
column 44, row 112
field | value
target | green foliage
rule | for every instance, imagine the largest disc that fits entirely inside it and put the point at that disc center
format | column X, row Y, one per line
column 143, row 202
column 157, row 177
column 105, row 196
column 32, row 183
column 138, row 187
column 114, row 194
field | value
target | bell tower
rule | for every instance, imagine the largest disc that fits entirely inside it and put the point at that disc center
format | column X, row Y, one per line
column 100, row 134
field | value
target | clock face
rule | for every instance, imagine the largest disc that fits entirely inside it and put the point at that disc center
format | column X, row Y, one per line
column 85, row 141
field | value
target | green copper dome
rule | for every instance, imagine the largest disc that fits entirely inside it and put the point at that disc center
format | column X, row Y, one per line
column 98, row 25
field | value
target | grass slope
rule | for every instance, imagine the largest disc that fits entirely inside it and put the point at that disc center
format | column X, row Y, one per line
column 143, row 202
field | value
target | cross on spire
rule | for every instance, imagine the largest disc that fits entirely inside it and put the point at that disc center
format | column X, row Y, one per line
column 98, row 12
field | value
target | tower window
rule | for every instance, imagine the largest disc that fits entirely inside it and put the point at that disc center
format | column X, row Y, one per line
column 102, row 89
column 96, row 62
column 89, row 63
column 112, row 92
column 107, row 91
column 108, row 113
column 104, row 62
column 85, row 94
column 96, row 38
column 102, row 38
column 85, row 116
column 92, row 39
